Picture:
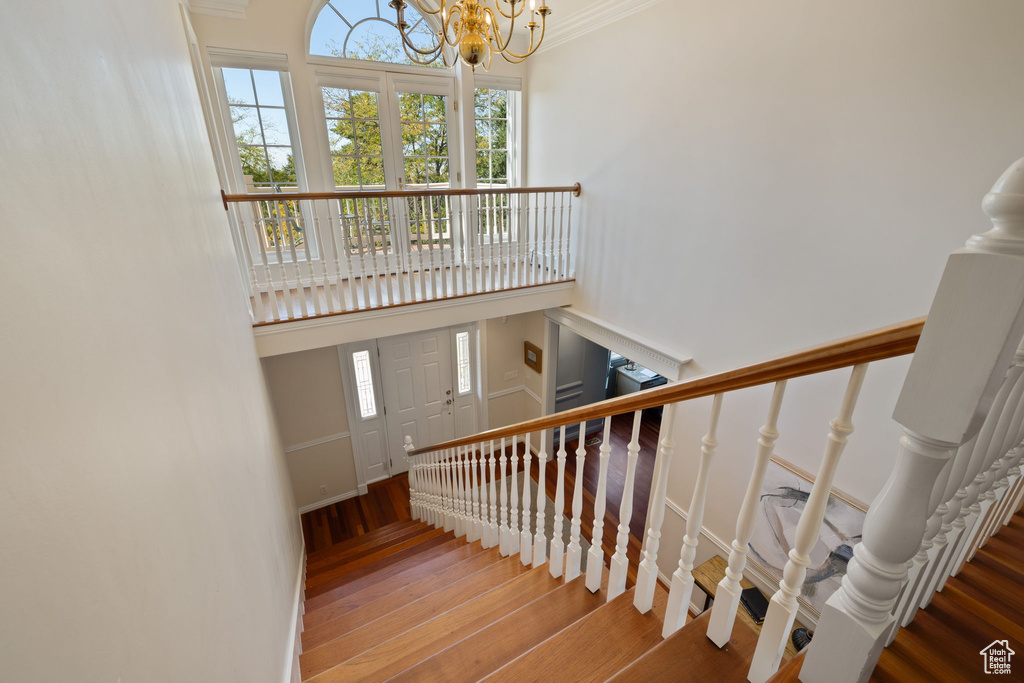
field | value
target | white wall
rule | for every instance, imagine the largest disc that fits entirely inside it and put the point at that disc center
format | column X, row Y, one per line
column 759, row 177
column 309, row 405
column 508, row 401
column 147, row 525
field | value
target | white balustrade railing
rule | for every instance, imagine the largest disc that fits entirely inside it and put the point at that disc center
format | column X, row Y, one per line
column 956, row 478
column 314, row 254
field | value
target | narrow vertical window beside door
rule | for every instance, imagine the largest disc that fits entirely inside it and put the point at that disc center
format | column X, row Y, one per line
column 462, row 362
column 364, row 384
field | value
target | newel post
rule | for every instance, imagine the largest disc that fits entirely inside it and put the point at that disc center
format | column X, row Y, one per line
column 414, row 501
column 974, row 326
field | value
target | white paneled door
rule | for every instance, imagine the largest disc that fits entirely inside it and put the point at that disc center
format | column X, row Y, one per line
column 416, row 381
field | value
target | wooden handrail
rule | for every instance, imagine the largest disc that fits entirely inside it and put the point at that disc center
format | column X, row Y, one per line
column 879, row 344
column 368, row 194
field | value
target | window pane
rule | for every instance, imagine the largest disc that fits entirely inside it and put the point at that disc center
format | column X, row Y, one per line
column 238, row 85
column 268, row 88
column 364, row 384
column 462, row 361
column 353, row 132
column 365, row 29
column 493, row 160
column 275, row 126
column 261, row 129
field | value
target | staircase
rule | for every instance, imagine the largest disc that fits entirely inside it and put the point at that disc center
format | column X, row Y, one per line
column 474, row 590
column 409, row 602
column 983, row 603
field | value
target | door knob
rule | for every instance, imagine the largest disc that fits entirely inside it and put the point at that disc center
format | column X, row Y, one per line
column 448, row 402
column 449, row 392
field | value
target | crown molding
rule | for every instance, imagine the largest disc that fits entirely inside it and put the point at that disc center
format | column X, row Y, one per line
column 232, row 9
column 593, row 16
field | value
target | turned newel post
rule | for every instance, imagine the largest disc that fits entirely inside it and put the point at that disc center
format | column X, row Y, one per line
column 414, row 501
column 974, row 326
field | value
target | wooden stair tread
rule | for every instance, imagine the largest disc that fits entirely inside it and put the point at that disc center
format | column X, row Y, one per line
column 359, row 640
column 415, row 645
column 504, row 640
column 704, row 661
column 395, row 564
column 392, row 594
column 335, row 576
column 1005, row 566
column 361, row 539
column 602, row 643
column 340, row 556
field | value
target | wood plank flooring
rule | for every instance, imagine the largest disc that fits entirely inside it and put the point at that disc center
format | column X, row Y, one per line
column 385, row 502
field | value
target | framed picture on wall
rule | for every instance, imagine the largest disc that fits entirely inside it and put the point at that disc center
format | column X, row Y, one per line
column 532, row 356
column 782, row 501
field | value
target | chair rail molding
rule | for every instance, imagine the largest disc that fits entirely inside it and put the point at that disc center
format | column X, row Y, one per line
column 316, row 442
column 647, row 353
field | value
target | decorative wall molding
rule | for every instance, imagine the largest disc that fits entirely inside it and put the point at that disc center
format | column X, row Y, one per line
column 317, row 442
column 635, row 348
column 532, row 395
column 329, row 501
column 595, row 14
column 505, row 392
column 232, row 9
column 515, row 390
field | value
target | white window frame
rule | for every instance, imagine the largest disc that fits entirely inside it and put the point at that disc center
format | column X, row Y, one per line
column 514, row 109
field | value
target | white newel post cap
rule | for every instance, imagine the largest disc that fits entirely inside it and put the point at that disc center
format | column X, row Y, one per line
column 1005, row 206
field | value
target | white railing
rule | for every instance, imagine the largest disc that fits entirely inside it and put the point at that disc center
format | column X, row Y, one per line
column 313, row 254
column 956, row 477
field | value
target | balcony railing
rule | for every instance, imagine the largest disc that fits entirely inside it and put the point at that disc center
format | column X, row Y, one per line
column 315, row 254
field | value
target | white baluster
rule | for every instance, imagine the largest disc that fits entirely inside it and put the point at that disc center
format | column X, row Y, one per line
column 503, row 535
column 493, row 525
column 526, row 539
column 557, row 552
column 727, row 598
column 513, row 526
column 595, row 557
column 570, row 272
column 540, row 541
column 574, row 555
column 782, row 608
column 472, row 497
column 479, row 495
column 647, row 572
column 620, row 562
column 682, row 578
column 447, row 490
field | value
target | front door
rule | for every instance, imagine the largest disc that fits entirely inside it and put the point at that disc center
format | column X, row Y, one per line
column 416, row 379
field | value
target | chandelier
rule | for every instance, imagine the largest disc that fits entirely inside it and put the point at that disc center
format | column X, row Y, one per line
column 469, row 29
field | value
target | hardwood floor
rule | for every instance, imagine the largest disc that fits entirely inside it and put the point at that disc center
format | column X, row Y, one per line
column 385, row 502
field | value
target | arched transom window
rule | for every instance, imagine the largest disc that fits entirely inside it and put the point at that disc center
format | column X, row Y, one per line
column 365, row 29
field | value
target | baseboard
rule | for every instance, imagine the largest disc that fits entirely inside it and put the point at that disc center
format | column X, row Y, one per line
column 329, row 501
column 292, row 673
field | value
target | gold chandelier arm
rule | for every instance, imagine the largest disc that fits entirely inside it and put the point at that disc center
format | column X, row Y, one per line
column 513, row 58
column 494, row 34
column 513, row 14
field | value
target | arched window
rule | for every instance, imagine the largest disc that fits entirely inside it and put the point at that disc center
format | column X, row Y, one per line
column 366, row 29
